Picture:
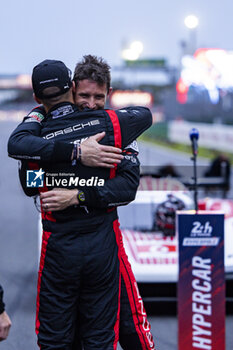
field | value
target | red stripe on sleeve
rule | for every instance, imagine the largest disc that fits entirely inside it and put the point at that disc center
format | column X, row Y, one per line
column 117, row 136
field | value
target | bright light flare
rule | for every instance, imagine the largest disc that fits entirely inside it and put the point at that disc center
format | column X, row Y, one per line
column 191, row 21
column 130, row 55
column 133, row 52
column 137, row 46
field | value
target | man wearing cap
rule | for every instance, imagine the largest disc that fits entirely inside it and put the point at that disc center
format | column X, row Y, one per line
column 5, row 322
column 98, row 226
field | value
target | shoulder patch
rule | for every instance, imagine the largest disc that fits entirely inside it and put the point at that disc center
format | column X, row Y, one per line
column 31, row 119
column 37, row 116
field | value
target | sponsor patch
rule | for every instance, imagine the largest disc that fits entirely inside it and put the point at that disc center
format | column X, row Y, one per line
column 133, row 146
column 35, row 115
column 131, row 159
column 29, row 120
column 62, row 111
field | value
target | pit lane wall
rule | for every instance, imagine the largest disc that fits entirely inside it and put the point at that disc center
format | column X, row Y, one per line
column 214, row 136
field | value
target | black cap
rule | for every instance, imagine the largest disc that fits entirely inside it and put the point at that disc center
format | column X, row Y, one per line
column 51, row 73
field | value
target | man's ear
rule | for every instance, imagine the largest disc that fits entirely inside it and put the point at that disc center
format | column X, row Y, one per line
column 110, row 91
column 37, row 99
column 73, row 87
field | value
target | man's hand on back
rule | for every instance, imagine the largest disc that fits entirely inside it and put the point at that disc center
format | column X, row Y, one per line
column 97, row 155
column 58, row 199
column 5, row 324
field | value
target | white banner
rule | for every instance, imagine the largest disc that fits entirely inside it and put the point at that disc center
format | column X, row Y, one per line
column 215, row 136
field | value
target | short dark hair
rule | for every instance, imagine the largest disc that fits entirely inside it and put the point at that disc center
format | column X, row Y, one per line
column 93, row 68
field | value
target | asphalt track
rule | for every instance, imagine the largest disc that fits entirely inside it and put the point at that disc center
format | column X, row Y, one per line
column 19, row 256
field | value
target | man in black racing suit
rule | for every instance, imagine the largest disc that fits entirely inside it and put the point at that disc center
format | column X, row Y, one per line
column 95, row 200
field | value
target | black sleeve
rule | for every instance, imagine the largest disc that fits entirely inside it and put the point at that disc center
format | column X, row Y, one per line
column 23, row 167
column 2, row 305
column 121, row 189
column 133, row 121
column 25, row 143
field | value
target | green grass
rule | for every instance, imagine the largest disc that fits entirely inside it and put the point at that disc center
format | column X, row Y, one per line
column 202, row 152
